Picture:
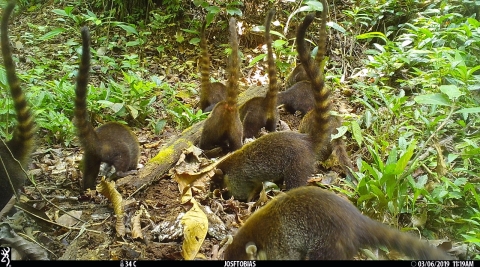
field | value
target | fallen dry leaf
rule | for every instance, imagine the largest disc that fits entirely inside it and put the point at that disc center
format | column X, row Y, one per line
column 136, row 227
column 107, row 188
column 195, row 229
column 67, row 220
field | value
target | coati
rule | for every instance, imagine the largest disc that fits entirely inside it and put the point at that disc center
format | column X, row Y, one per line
column 299, row 97
column 14, row 154
column 261, row 111
column 112, row 143
column 310, row 223
column 278, row 156
column 223, row 126
column 210, row 93
column 319, row 119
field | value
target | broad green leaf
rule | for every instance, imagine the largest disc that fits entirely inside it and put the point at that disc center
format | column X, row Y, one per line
column 370, row 35
column 471, row 188
column 433, row 99
column 451, row 91
column 210, row 16
column 364, row 198
column 341, row 131
column 190, row 31
column 194, row 41
column 52, row 34
column 368, row 119
column 105, row 103
column 405, row 158
column 129, row 29
column 315, row 5
column 357, row 133
column 336, row 26
column 179, row 37
column 378, row 193
column 213, row 9
column 234, row 11
column 117, row 107
column 133, row 111
column 132, row 43
column 468, row 110
column 256, row 59
column 159, row 126
column 60, row 12
column 279, row 43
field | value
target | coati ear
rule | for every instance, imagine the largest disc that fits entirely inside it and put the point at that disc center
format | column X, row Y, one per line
column 251, row 250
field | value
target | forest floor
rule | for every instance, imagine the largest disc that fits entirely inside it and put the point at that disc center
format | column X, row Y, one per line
column 57, row 176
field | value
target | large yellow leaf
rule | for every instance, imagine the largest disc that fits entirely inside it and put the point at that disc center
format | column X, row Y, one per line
column 195, row 227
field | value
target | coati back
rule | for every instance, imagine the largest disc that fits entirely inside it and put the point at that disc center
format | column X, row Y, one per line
column 223, row 126
column 210, row 93
column 319, row 120
column 278, row 157
column 21, row 145
column 260, row 111
column 111, row 143
column 310, row 223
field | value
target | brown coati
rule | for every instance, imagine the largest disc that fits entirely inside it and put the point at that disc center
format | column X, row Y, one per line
column 112, row 143
column 223, row 126
column 210, row 93
column 299, row 97
column 14, row 154
column 279, row 156
column 319, row 119
column 260, row 112
column 310, row 223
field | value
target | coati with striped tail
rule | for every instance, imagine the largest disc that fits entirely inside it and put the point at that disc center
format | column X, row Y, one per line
column 210, row 93
column 260, row 112
column 279, row 156
column 299, row 95
column 223, row 126
column 112, row 143
column 14, row 154
column 320, row 119
column 310, row 223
